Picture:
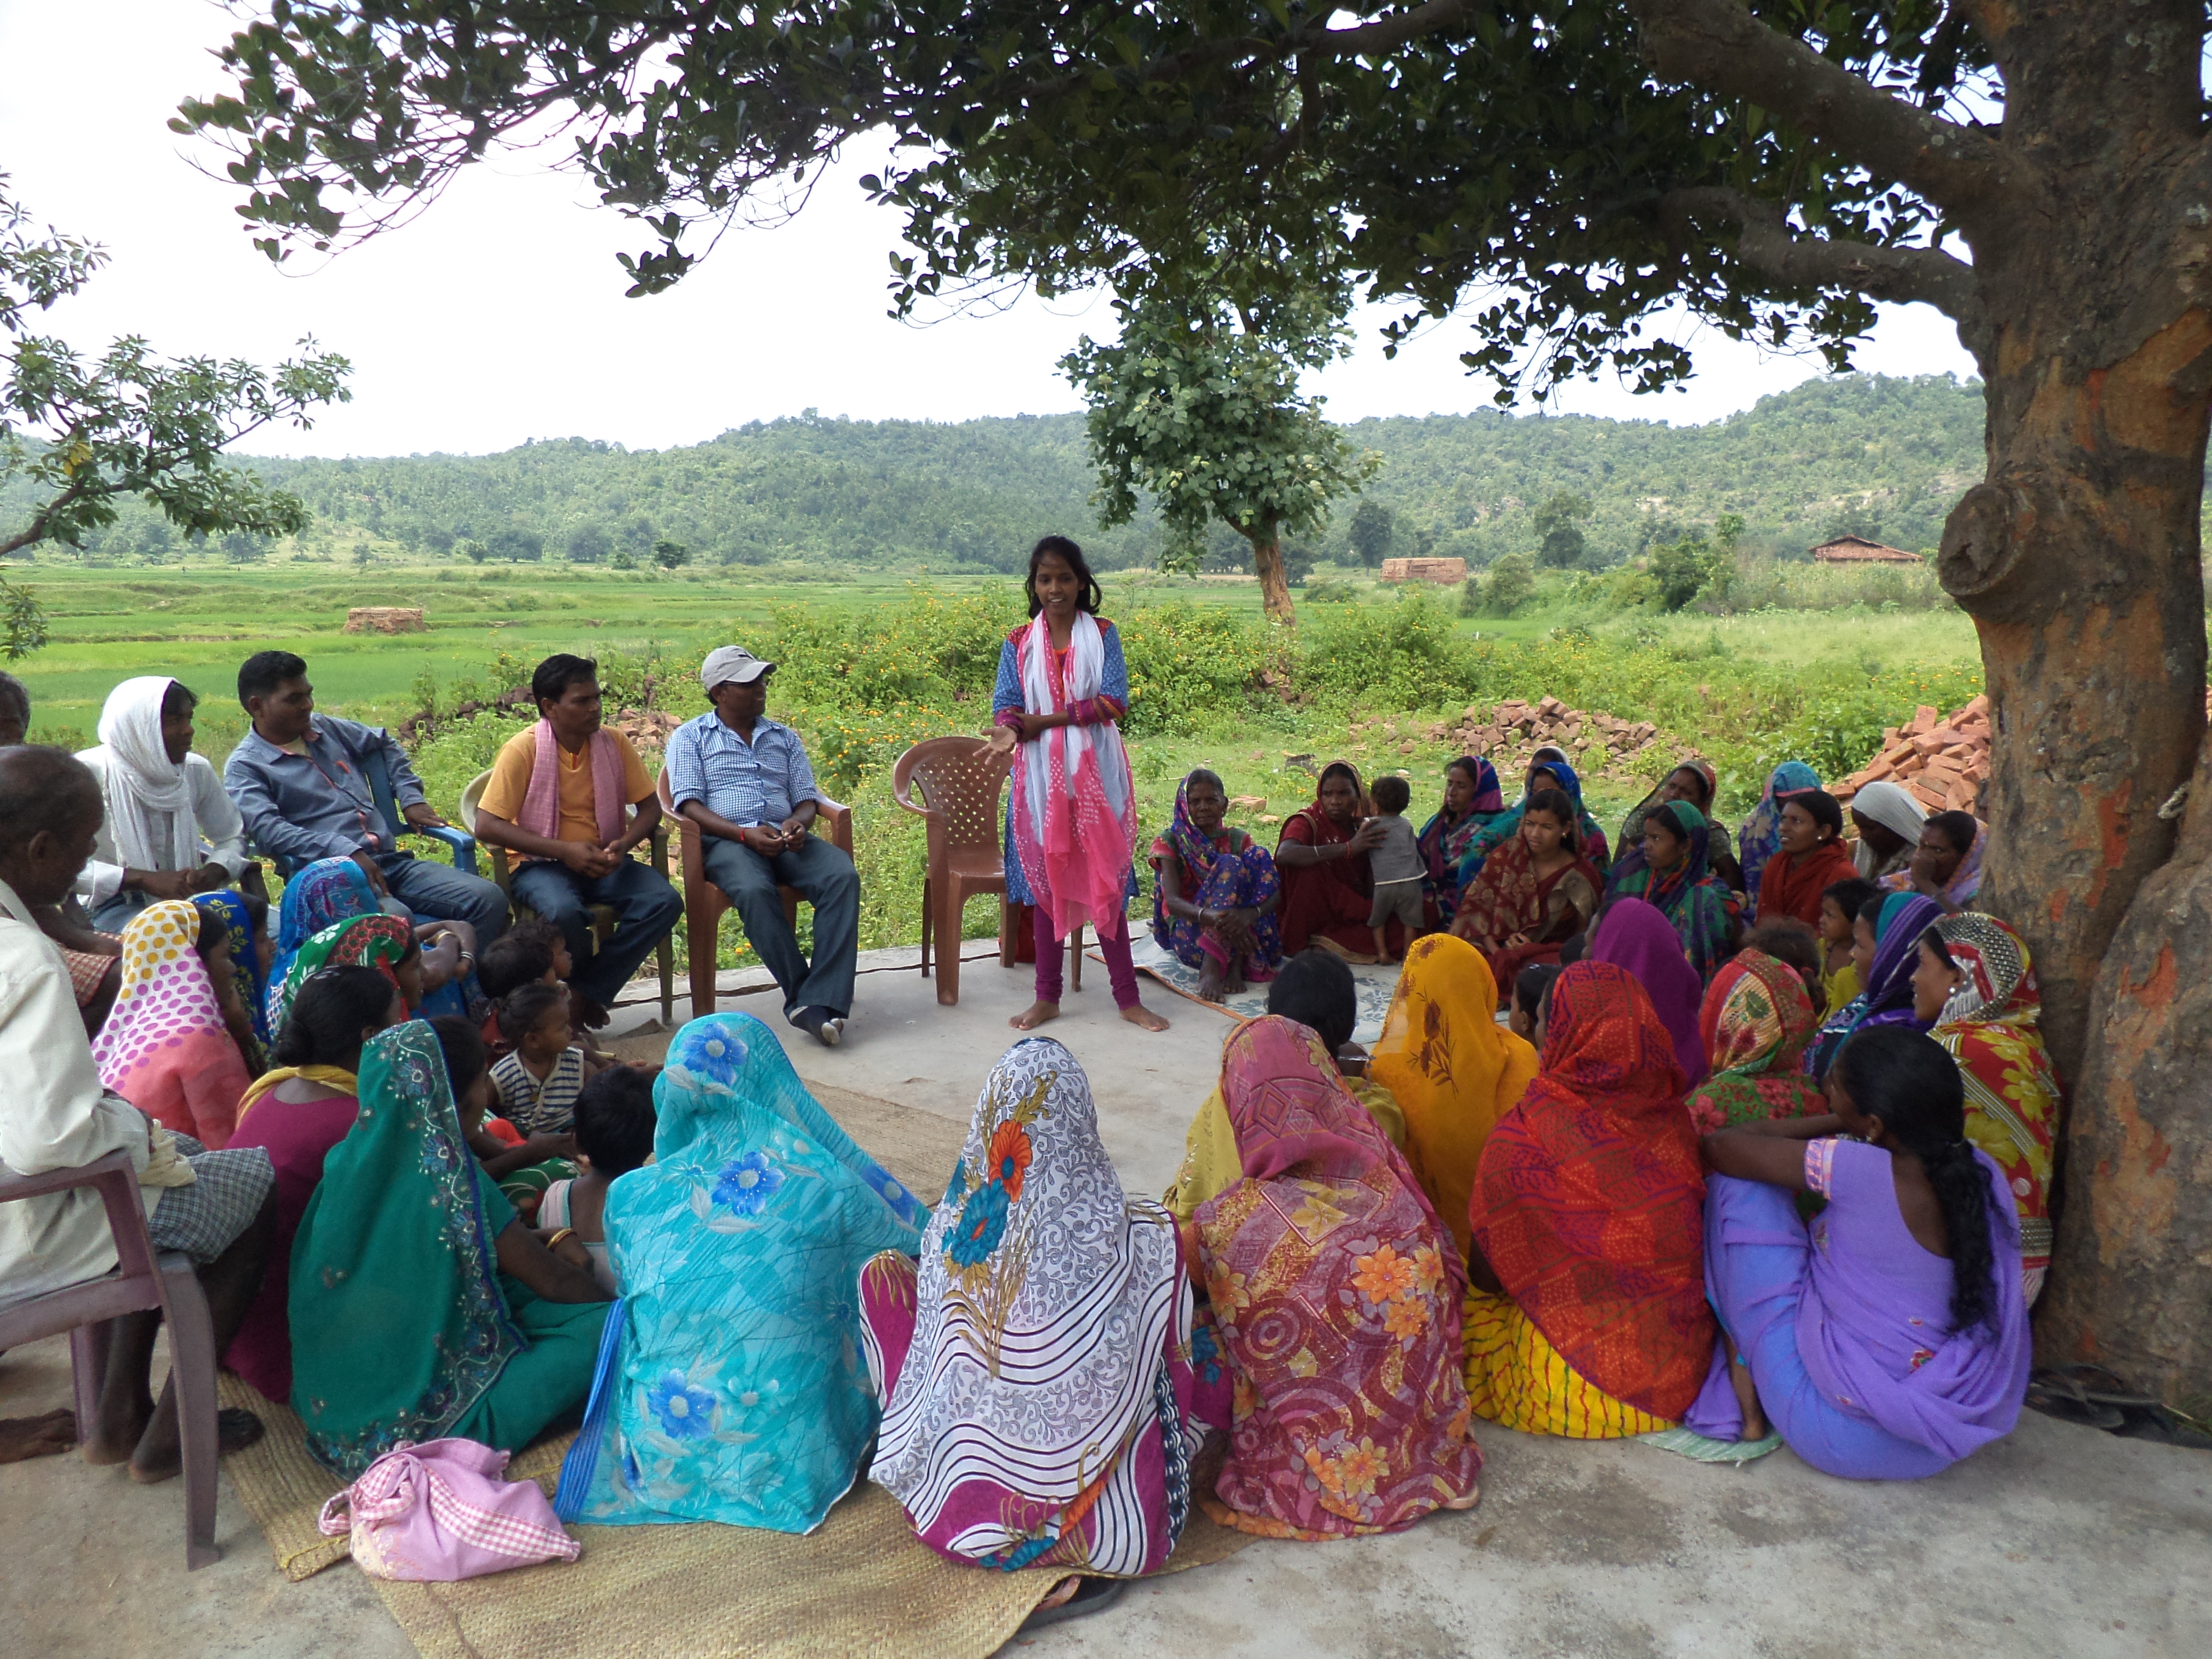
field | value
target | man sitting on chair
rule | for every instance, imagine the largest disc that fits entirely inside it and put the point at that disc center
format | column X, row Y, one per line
column 299, row 782
column 744, row 781
column 556, row 796
column 219, row 1208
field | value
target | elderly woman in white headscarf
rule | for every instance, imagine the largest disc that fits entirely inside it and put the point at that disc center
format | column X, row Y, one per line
column 160, row 803
column 1888, row 823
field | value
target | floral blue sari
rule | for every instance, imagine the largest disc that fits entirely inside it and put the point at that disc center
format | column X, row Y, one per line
column 1217, row 872
column 730, row 1384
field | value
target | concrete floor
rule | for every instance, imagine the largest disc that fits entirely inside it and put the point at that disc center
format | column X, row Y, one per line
column 2059, row 1540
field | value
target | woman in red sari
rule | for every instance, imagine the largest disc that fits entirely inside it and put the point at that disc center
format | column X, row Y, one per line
column 1810, row 858
column 1322, row 859
column 1534, row 893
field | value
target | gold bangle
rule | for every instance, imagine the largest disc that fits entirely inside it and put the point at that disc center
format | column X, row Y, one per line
column 554, row 1243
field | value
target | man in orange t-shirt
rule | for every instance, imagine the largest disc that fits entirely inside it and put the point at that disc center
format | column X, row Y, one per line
column 556, row 797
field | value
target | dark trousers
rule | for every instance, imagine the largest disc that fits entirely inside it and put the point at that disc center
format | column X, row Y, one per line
column 646, row 907
column 825, row 875
column 438, row 892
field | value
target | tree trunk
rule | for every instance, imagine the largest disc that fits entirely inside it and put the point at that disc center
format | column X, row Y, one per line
column 2078, row 559
column 1275, row 585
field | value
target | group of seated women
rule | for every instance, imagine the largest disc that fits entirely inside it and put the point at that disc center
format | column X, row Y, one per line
column 204, row 987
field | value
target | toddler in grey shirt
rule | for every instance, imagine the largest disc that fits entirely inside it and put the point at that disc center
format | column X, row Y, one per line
column 1396, row 865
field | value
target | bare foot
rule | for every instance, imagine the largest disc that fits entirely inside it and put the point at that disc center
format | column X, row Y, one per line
column 1747, row 1399
column 117, row 1429
column 1034, row 1016
column 1210, row 983
column 160, row 1456
column 1234, row 984
column 1061, row 1593
column 22, row 1437
column 1137, row 1014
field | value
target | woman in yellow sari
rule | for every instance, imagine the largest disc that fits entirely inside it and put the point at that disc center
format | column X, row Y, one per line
column 1452, row 1068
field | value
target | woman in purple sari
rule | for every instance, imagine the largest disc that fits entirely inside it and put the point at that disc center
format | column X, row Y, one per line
column 1215, row 893
column 1890, row 1339
column 1636, row 936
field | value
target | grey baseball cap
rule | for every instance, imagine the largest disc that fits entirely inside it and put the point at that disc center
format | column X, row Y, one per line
column 725, row 663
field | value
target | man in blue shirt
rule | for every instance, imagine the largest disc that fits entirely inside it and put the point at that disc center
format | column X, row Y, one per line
column 298, row 780
column 744, row 780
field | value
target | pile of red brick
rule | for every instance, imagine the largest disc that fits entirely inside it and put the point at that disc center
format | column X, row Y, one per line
column 1509, row 731
column 1941, row 761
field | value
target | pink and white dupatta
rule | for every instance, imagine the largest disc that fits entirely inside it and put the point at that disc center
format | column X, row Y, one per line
column 1074, row 809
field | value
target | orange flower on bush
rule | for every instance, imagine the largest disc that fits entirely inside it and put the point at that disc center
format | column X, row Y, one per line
column 1009, row 1157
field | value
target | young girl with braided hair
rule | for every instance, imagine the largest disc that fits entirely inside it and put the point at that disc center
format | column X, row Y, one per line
column 1888, row 1339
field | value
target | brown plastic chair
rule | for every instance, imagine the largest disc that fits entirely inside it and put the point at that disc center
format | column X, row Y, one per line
column 960, row 780
column 603, row 915
column 704, row 902
column 140, row 1283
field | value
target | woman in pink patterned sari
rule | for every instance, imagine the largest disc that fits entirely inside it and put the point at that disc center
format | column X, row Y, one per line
column 1327, row 1251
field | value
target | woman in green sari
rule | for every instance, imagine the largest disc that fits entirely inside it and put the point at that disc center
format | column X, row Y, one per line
column 420, row 1307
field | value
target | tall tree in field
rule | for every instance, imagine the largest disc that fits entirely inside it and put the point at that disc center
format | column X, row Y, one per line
column 86, row 433
column 2038, row 170
column 1197, row 404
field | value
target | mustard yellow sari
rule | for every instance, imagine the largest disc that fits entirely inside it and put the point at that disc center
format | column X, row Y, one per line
column 1452, row 1068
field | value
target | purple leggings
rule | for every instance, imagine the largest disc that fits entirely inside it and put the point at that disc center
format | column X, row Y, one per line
column 1051, row 950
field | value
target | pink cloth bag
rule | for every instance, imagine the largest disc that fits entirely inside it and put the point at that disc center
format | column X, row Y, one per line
column 442, row 1511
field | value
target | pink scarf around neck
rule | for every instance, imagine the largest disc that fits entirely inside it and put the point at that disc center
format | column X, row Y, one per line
column 541, row 802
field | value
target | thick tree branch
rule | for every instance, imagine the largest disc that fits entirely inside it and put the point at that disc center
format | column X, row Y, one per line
column 1718, row 45
column 1765, row 242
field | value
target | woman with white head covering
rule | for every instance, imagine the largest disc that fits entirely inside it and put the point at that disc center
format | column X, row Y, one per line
column 160, row 801
column 1888, row 823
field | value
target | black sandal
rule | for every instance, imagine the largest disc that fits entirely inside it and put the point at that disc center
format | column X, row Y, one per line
column 1091, row 1595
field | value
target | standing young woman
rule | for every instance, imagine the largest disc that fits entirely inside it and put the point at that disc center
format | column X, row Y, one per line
column 1072, row 811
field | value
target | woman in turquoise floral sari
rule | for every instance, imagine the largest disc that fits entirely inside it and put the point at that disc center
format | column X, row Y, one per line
column 1547, row 769
column 730, row 1384
column 420, row 1307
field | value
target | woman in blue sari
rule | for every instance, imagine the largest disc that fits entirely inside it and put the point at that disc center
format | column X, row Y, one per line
column 229, row 910
column 1472, row 799
column 1215, row 893
column 729, row 1384
column 332, row 890
column 1547, row 769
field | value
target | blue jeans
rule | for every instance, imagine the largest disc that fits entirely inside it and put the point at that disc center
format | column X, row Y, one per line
column 438, row 892
column 825, row 875
column 646, row 907
column 114, row 917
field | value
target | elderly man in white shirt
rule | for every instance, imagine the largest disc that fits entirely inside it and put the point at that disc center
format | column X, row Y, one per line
column 161, row 801
column 217, row 1207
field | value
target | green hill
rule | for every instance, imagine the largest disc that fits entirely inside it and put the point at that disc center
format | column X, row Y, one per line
column 1881, row 457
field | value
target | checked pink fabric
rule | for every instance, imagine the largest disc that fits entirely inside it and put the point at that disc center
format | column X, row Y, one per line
column 441, row 1510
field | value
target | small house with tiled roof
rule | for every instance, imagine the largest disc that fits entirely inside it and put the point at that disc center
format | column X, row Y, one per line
column 1857, row 549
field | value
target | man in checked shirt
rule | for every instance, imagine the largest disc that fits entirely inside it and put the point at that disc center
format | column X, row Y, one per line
column 744, row 780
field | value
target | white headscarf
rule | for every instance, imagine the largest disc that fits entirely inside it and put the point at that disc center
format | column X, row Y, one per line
column 130, row 726
column 1892, row 806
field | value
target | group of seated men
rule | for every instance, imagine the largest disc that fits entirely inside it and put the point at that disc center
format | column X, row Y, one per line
column 569, row 796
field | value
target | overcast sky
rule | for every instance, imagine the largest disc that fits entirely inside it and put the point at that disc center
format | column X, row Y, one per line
column 498, row 315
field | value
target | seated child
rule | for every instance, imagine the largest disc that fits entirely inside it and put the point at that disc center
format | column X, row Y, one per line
column 524, row 1168
column 529, row 951
column 1528, row 988
column 538, row 1081
column 1317, row 990
column 615, row 1122
column 1396, row 865
column 1840, row 904
column 1796, row 946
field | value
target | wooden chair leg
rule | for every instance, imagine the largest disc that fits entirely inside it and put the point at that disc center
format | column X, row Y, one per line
column 665, row 953
column 700, row 932
column 948, row 944
column 929, row 905
column 191, row 1370
column 1009, row 946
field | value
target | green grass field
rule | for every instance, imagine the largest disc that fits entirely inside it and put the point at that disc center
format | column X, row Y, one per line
column 1715, row 684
